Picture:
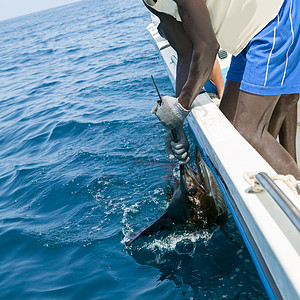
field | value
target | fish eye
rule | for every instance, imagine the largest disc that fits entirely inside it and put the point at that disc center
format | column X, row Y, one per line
column 192, row 192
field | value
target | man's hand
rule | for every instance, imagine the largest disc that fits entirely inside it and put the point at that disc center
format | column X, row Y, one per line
column 177, row 149
column 171, row 114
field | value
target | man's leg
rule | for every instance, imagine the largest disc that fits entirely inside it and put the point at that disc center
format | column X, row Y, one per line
column 252, row 120
column 284, row 122
column 229, row 100
column 288, row 133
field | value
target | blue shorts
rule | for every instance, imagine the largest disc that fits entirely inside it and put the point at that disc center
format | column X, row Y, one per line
column 270, row 63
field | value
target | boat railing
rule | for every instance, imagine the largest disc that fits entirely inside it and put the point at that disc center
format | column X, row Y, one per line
column 287, row 206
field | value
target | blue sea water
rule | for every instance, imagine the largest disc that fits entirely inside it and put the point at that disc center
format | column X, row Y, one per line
column 83, row 165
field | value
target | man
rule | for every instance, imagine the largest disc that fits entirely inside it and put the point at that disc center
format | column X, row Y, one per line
column 263, row 37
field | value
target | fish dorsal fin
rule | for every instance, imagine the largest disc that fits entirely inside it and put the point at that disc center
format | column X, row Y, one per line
column 162, row 223
column 210, row 184
column 203, row 172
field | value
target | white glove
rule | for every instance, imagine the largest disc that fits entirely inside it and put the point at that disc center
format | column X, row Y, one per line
column 177, row 149
column 171, row 114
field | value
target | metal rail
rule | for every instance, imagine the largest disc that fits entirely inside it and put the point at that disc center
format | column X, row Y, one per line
column 291, row 211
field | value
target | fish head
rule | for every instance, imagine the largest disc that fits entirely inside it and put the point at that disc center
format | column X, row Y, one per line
column 204, row 206
column 191, row 183
column 214, row 203
column 199, row 201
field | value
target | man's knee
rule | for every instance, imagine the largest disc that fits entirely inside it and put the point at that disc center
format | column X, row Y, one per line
column 253, row 137
column 293, row 98
column 287, row 102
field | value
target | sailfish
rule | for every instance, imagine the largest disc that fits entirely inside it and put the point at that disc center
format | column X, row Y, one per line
column 198, row 200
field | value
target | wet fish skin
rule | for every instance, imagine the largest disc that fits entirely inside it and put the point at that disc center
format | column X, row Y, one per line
column 197, row 200
column 177, row 213
column 179, row 209
column 206, row 201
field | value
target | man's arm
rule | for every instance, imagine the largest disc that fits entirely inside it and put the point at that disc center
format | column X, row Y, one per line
column 195, row 44
column 197, row 25
column 217, row 78
column 178, row 39
column 174, row 32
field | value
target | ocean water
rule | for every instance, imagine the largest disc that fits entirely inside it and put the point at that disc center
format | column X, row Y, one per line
column 83, row 165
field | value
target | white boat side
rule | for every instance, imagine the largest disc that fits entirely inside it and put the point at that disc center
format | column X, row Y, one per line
column 270, row 236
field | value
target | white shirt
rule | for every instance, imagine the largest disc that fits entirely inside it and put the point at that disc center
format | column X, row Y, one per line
column 235, row 22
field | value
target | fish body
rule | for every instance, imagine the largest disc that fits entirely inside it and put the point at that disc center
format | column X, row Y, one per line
column 179, row 205
column 197, row 200
column 206, row 200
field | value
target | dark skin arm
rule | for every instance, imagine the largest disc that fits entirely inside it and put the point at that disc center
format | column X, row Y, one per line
column 196, row 46
column 197, row 25
column 174, row 32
